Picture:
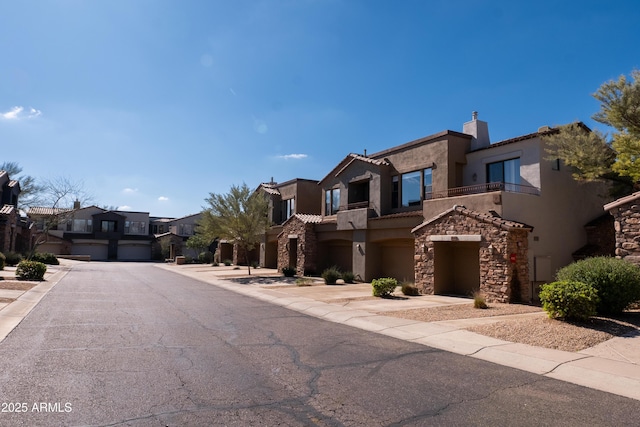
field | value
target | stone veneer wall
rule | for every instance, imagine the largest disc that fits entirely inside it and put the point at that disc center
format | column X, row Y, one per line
column 307, row 246
column 6, row 239
column 497, row 273
column 627, row 227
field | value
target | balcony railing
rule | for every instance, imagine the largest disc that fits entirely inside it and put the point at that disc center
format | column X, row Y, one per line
column 484, row 188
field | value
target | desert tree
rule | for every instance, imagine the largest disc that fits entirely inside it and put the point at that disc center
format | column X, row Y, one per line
column 239, row 216
column 593, row 155
column 30, row 191
column 61, row 196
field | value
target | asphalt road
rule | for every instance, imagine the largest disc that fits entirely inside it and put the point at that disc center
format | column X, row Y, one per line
column 131, row 344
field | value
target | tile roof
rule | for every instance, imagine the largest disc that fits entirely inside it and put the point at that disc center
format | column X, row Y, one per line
column 309, row 218
column 366, row 159
column 46, row 211
column 349, row 159
column 6, row 209
column 545, row 130
column 269, row 189
column 406, row 214
column 623, row 200
column 486, row 217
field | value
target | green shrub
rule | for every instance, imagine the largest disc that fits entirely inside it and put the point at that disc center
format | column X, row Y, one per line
column 227, row 262
column 45, row 258
column 205, row 257
column 348, row 277
column 410, row 289
column 479, row 301
column 13, row 258
column 331, row 275
column 288, row 271
column 384, row 287
column 569, row 300
column 31, row 270
column 304, row 281
column 617, row 281
column 3, row 261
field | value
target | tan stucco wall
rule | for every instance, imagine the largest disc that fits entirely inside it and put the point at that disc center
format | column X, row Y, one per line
column 558, row 214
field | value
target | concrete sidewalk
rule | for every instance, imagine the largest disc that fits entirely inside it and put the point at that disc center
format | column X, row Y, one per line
column 612, row 366
column 11, row 314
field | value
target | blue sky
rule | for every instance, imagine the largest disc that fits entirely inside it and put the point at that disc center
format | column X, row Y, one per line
column 154, row 104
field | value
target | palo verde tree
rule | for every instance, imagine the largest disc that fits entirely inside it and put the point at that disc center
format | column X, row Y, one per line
column 239, row 216
column 591, row 154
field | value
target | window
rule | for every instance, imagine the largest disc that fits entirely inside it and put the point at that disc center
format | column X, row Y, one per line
column 185, row 229
column 287, row 208
column 507, row 172
column 427, row 183
column 134, row 227
column 82, row 225
column 108, row 226
column 395, row 192
column 359, row 194
column 331, row 201
column 410, row 189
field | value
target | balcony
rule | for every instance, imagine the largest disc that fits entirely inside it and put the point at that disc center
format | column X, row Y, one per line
column 484, row 188
column 358, row 205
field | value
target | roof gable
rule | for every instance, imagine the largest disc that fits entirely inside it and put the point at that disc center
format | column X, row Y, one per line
column 349, row 160
column 305, row 218
column 486, row 217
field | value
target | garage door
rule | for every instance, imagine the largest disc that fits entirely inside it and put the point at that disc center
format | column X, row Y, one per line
column 97, row 251
column 336, row 253
column 134, row 252
column 397, row 260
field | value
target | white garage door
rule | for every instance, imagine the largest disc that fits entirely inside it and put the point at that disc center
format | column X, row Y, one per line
column 96, row 251
column 134, row 252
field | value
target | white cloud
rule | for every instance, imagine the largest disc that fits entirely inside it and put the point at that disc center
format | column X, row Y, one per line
column 17, row 113
column 293, row 156
column 163, row 199
column 130, row 190
column 124, row 208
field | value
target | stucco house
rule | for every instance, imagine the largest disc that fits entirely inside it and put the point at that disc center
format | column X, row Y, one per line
column 285, row 200
column 427, row 212
column 176, row 231
column 100, row 233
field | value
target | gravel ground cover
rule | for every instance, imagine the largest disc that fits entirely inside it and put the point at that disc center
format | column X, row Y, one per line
column 537, row 331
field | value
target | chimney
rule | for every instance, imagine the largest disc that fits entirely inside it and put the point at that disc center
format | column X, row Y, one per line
column 76, row 204
column 479, row 130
